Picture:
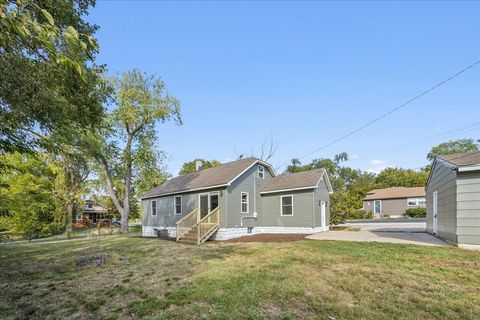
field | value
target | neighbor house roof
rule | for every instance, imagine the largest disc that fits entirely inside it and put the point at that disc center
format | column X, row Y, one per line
column 462, row 159
column 219, row 176
column 395, row 193
column 296, row 181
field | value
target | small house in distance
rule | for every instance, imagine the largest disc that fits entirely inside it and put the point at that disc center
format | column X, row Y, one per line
column 93, row 213
column 393, row 202
column 453, row 198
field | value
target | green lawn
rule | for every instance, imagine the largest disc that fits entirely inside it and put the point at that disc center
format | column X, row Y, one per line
column 154, row 279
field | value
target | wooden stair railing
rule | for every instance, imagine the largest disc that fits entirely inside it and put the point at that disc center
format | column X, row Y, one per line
column 200, row 231
column 208, row 225
column 186, row 224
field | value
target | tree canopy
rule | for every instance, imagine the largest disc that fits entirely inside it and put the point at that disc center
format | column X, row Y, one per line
column 48, row 78
column 189, row 167
column 454, row 146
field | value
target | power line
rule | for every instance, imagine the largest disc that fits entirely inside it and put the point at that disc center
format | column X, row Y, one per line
column 390, row 111
column 464, row 129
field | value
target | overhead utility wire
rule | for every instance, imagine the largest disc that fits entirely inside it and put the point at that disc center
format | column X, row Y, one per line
column 389, row 112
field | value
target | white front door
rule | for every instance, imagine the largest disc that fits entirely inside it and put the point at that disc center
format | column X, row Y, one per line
column 322, row 215
column 435, row 212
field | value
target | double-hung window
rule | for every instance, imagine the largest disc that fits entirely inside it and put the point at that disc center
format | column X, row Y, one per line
column 244, row 202
column 261, row 171
column 178, row 204
column 286, row 203
column 154, row 207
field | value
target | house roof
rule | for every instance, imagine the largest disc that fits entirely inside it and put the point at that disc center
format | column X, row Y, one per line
column 462, row 159
column 395, row 193
column 218, row 176
column 296, row 181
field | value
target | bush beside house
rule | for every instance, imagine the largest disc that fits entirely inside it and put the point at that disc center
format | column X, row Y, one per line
column 416, row 212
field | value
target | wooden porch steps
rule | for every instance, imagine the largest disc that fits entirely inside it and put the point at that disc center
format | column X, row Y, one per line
column 193, row 230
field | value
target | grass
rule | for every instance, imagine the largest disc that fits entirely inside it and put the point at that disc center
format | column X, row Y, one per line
column 138, row 278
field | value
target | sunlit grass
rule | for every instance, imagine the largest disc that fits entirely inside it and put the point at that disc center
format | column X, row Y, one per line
column 150, row 279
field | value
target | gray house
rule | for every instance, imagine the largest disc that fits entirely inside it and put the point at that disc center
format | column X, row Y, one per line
column 453, row 198
column 235, row 199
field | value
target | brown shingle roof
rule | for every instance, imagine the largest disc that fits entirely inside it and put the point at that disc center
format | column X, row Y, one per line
column 211, row 177
column 394, row 193
column 463, row 159
column 296, row 180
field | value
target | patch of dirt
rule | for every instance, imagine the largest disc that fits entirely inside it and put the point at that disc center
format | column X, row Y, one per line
column 99, row 261
column 269, row 237
column 344, row 228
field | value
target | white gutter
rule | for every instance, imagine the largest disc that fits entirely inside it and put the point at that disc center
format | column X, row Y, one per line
column 468, row 168
column 292, row 189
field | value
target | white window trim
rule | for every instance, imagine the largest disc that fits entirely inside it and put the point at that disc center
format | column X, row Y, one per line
column 241, row 202
column 281, row 206
column 175, row 205
column 261, row 169
column 417, row 201
column 151, row 207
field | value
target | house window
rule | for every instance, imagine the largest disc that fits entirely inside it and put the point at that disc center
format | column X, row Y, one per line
column 261, row 172
column 416, row 201
column 90, row 206
column 154, row 207
column 178, row 204
column 244, row 202
column 287, row 205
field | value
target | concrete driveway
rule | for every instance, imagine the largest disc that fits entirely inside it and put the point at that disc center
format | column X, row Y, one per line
column 391, row 232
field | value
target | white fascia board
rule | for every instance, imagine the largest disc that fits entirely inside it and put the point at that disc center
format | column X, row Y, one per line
column 468, row 168
column 291, row 189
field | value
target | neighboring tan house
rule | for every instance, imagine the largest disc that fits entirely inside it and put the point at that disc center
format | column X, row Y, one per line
column 235, row 199
column 394, row 201
column 453, row 198
column 93, row 213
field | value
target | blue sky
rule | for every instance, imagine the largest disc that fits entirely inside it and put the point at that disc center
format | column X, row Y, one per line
column 305, row 73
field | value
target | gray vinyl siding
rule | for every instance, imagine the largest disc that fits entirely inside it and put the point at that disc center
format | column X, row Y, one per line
column 321, row 194
column 303, row 202
column 248, row 182
column 443, row 180
column 468, row 207
column 166, row 212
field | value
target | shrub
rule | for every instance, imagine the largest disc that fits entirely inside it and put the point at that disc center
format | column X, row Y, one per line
column 135, row 229
column 416, row 212
column 360, row 214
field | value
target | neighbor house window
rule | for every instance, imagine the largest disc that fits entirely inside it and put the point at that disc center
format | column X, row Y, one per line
column 178, row 204
column 154, row 207
column 244, row 202
column 416, row 201
column 287, row 205
column 261, row 172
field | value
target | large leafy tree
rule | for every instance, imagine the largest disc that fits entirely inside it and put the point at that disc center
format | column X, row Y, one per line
column 189, row 167
column 48, row 79
column 398, row 177
column 28, row 200
column 126, row 147
column 454, row 146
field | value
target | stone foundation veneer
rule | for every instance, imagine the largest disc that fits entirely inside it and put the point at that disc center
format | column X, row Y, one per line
column 230, row 233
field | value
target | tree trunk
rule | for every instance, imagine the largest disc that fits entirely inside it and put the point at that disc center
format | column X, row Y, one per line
column 128, row 184
column 69, row 218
